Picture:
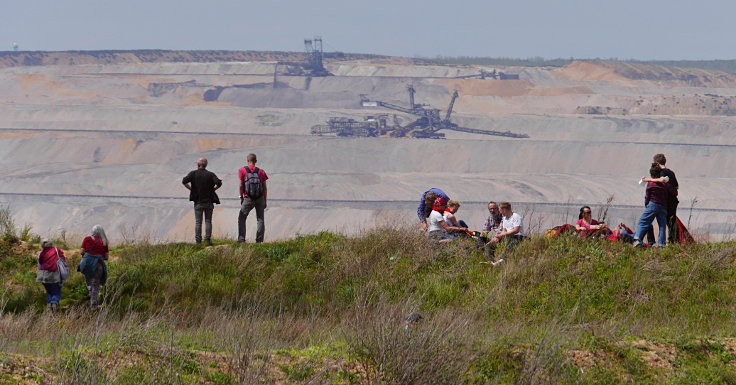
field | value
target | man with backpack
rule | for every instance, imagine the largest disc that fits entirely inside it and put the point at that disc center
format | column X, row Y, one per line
column 253, row 194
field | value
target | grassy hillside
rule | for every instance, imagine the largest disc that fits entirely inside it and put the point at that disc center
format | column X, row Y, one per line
column 329, row 309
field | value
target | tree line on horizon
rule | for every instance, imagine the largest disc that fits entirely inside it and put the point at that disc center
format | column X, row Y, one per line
column 715, row 65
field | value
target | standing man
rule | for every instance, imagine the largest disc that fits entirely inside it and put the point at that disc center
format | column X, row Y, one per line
column 669, row 177
column 253, row 194
column 202, row 185
column 512, row 229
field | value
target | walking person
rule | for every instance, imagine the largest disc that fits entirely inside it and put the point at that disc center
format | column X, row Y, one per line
column 655, row 201
column 253, row 195
column 50, row 273
column 202, row 185
column 94, row 254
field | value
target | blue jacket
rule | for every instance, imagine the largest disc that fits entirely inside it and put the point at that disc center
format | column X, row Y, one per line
column 420, row 209
column 88, row 266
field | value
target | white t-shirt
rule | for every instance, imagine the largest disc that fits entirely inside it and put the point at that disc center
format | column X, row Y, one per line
column 508, row 223
column 446, row 215
column 434, row 221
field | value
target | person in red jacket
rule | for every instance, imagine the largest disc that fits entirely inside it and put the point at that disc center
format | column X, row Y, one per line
column 49, row 274
column 94, row 254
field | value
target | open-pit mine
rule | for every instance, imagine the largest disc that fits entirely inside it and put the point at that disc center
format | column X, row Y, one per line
column 88, row 138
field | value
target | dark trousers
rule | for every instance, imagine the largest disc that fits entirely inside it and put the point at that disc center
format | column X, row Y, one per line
column 672, row 231
column 248, row 205
column 201, row 209
column 511, row 241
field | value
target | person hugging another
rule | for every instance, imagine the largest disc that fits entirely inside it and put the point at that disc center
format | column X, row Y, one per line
column 655, row 201
column 426, row 203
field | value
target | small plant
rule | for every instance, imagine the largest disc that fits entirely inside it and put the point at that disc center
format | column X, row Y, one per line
column 7, row 224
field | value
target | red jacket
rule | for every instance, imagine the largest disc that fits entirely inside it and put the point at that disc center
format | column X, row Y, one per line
column 47, row 259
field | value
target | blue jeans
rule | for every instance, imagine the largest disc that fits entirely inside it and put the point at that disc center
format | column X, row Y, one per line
column 652, row 211
column 53, row 293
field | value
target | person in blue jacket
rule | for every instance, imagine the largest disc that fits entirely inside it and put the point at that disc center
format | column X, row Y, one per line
column 425, row 205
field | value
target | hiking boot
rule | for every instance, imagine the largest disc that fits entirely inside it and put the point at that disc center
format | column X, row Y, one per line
column 207, row 242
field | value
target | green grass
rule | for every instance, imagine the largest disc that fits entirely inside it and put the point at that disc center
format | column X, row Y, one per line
column 328, row 305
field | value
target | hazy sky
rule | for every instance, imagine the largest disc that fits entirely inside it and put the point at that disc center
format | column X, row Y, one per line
column 624, row 29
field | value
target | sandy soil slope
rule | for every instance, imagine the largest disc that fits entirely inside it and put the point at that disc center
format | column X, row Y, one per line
column 109, row 143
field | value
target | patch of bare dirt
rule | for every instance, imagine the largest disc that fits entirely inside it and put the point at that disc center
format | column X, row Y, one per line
column 21, row 370
column 588, row 71
column 656, row 355
column 475, row 87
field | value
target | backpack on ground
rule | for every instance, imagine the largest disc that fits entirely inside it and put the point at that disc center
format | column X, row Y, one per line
column 684, row 235
column 62, row 267
column 557, row 230
column 253, row 183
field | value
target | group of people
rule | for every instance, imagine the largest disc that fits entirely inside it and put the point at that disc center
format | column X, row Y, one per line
column 660, row 202
column 203, row 184
column 436, row 214
column 53, row 269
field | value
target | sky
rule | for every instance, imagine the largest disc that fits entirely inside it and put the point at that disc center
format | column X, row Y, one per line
column 623, row 29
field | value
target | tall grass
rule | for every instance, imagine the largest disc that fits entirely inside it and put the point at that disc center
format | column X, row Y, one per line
column 327, row 308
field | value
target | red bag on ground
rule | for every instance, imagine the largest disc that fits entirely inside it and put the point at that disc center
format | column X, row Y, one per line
column 684, row 235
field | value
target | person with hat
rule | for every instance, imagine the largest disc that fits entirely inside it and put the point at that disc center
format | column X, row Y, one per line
column 49, row 273
column 439, row 229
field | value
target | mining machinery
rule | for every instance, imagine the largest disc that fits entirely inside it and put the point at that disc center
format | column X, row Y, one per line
column 371, row 126
column 312, row 65
column 429, row 121
column 427, row 124
column 493, row 74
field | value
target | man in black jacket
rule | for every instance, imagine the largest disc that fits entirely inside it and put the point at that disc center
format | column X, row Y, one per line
column 202, row 185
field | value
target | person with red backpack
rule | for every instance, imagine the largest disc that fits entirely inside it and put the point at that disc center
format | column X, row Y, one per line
column 253, row 194
column 51, row 266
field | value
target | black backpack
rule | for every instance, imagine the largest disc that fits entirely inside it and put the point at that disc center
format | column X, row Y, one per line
column 253, row 184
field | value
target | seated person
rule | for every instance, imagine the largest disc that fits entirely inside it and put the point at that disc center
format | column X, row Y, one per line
column 425, row 204
column 512, row 229
column 491, row 227
column 587, row 226
column 623, row 233
column 439, row 230
column 450, row 211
